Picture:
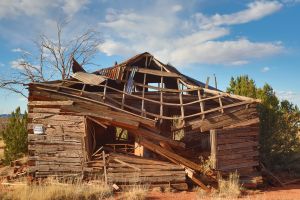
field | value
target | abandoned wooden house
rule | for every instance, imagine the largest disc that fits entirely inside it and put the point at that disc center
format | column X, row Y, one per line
column 140, row 121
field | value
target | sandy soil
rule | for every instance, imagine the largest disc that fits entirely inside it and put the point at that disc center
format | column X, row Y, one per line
column 291, row 192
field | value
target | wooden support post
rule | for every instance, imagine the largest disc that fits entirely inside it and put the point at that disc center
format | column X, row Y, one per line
column 216, row 85
column 104, row 167
column 82, row 90
column 207, row 82
column 124, row 90
column 213, row 147
column 181, row 101
column 221, row 105
column 161, row 97
column 201, row 103
column 143, row 95
column 105, row 88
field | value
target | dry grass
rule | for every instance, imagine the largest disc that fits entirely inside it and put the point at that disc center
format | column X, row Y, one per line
column 231, row 187
column 137, row 192
column 227, row 189
column 59, row 191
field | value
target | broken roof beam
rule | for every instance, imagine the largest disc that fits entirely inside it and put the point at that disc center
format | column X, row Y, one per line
column 65, row 95
column 155, row 72
column 234, row 96
column 156, row 137
column 170, row 155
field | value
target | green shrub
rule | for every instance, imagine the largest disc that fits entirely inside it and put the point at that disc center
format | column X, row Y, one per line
column 279, row 124
column 15, row 136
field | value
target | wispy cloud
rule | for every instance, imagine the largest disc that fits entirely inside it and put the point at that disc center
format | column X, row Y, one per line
column 265, row 69
column 17, row 50
column 290, row 96
column 167, row 29
column 16, row 64
column 11, row 9
column 255, row 10
column 197, row 39
column 21, row 64
column 71, row 7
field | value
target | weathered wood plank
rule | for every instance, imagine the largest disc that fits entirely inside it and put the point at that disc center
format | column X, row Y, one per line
column 50, row 103
column 238, row 145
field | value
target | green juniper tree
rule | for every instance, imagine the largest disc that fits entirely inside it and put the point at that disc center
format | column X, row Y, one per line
column 279, row 142
column 15, row 136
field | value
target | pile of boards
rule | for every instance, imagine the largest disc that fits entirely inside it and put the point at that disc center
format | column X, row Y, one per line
column 127, row 170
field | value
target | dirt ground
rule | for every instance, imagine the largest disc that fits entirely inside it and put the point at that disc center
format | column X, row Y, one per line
column 291, row 192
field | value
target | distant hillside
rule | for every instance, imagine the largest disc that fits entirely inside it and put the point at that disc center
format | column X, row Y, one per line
column 4, row 115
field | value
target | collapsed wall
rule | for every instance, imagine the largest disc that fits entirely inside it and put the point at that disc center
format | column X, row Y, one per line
column 76, row 126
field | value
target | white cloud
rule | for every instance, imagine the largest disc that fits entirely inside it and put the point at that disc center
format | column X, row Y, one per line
column 17, row 50
column 265, row 69
column 255, row 10
column 20, row 63
column 176, row 8
column 290, row 96
column 71, row 7
column 16, row 64
column 110, row 48
column 239, row 62
column 14, row 8
column 223, row 52
column 10, row 8
column 183, row 42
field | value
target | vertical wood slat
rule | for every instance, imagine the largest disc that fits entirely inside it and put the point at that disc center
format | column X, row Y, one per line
column 181, row 101
column 143, row 95
column 144, row 83
column 161, row 96
column 221, row 105
column 82, row 90
column 105, row 88
column 213, row 146
column 124, row 89
column 201, row 103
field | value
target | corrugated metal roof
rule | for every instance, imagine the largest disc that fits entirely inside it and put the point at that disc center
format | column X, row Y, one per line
column 87, row 78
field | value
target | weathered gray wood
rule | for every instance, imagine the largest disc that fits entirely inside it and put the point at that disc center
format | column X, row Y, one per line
column 213, row 147
column 50, row 103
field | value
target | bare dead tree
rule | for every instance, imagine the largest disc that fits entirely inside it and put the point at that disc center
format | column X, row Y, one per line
column 52, row 59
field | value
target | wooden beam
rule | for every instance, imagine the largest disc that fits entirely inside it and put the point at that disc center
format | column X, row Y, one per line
column 170, row 155
column 50, row 103
column 126, row 164
column 213, row 147
column 159, row 138
column 97, row 122
column 245, row 123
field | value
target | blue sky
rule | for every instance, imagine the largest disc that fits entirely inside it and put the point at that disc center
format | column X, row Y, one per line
column 199, row 37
